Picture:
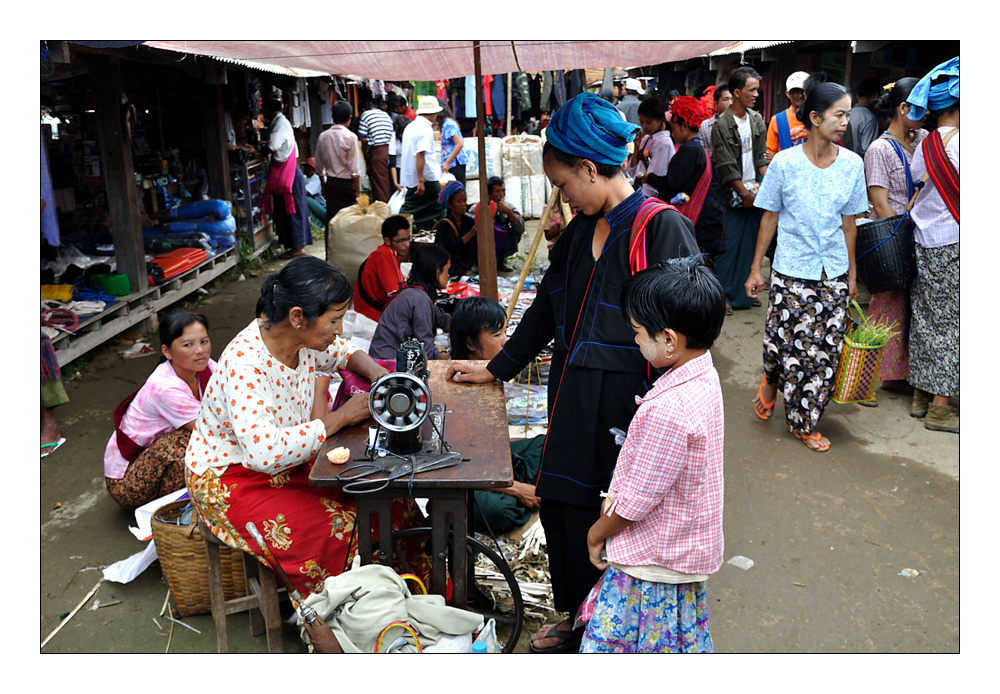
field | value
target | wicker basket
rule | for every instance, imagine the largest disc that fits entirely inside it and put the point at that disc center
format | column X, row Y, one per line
column 857, row 372
column 181, row 549
column 885, row 255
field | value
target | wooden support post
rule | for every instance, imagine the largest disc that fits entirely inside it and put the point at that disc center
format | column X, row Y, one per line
column 484, row 225
column 220, row 185
column 119, row 171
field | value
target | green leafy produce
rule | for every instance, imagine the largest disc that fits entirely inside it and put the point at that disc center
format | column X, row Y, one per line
column 871, row 333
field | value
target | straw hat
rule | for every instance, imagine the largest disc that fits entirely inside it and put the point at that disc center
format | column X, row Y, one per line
column 428, row 105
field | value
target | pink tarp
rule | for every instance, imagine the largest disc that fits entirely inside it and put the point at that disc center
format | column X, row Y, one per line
column 436, row 60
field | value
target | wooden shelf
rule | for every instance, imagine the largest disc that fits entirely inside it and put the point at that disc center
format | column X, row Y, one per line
column 138, row 306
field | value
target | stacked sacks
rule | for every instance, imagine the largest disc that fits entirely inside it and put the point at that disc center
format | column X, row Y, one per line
column 212, row 217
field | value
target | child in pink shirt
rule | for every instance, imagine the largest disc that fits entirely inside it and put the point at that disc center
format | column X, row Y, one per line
column 659, row 536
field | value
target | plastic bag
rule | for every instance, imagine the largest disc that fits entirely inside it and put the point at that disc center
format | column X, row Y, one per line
column 586, row 610
column 396, row 201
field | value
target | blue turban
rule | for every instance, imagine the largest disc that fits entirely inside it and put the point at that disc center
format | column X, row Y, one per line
column 935, row 97
column 450, row 188
column 589, row 127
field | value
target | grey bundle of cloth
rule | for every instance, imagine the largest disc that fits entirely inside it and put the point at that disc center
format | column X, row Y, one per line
column 358, row 604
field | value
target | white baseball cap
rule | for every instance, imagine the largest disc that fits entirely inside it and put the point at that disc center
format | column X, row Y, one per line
column 796, row 80
column 632, row 84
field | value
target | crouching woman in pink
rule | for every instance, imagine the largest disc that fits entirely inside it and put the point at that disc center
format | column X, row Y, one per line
column 659, row 536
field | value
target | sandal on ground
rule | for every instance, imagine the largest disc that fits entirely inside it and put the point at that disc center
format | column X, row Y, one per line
column 50, row 448
column 570, row 640
column 759, row 406
column 294, row 253
column 756, row 302
column 814, row 437
column 729, row 309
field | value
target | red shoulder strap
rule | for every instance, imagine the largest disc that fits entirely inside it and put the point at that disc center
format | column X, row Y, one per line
column 692, row 208
column 942, row 172
column 637, row 240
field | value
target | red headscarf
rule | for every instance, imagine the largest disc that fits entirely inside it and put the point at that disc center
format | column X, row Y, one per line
column 708, row 98
column 689, row 109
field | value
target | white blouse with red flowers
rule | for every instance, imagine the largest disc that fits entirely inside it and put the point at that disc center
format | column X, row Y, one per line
column 255, row 411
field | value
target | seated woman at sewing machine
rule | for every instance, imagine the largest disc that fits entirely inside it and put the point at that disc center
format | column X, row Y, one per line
column 255, row 438
column 479, row 331
column 144, row 458
column 412, row 312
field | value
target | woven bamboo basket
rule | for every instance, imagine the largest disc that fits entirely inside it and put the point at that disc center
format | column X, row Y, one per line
column 857, row 372
column 181, row 549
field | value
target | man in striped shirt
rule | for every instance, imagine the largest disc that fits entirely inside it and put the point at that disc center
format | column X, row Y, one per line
column 374, row 132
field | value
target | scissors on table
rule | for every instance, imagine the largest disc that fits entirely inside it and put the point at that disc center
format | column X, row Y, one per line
column 366, row 477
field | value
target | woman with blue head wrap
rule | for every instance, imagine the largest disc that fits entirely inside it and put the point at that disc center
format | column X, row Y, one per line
column 597, row 371
column 456, row 232
column 934, row 326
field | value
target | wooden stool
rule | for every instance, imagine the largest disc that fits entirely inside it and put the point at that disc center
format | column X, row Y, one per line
column 261, row 599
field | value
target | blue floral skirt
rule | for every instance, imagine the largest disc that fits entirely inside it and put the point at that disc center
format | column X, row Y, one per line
column 636, row 616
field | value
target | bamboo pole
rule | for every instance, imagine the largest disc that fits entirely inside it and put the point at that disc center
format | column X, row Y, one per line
column 531, row 254
column 510, row 111
column 70, row 615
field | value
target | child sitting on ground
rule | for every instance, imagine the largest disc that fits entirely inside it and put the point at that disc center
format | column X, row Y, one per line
column 479, row 331
column 661, row 523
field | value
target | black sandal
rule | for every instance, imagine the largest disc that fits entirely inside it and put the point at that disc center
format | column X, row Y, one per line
column 570, row 642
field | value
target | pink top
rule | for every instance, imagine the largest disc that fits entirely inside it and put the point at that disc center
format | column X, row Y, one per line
column 658, row 150
column 257, row 411
column 337, row 153
column 668, row 478
column 164, row 403
column 884, row 169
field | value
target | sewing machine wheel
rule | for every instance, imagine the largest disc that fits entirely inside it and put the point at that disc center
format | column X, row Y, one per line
column 399, row 401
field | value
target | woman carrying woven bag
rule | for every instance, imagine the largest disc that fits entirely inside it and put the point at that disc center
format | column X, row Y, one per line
column 811, row 195
column 934, row 333
column 890, row 187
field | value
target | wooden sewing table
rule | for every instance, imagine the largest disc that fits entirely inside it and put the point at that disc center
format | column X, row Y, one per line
column 475, row 425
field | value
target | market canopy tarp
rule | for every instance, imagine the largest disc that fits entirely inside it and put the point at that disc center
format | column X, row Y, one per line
column 435, row 60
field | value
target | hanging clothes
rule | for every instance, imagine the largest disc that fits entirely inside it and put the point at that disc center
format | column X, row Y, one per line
column 535, row 93
column 50, row 221
column 545, row 101
column 326, row 110
column 487, row 90
column 523, row 83
column 576, row 82
column 498, row 95
column 442, row 90
column 559, row 88
column 423, row 89
column 470, row 97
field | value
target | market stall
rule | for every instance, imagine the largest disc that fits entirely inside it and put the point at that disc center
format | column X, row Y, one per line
column 131, row 146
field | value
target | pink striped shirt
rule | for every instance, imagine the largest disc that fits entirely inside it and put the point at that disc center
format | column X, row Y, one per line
column 668, row 478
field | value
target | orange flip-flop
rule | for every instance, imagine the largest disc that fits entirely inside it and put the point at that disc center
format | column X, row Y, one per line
column 815, row 436
column 759, row 406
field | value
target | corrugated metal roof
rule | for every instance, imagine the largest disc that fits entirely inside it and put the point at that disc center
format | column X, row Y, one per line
column 268, row 67
column 744, row 46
